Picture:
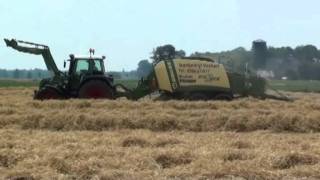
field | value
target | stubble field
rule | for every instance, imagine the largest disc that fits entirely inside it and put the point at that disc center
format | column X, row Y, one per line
column 88, row 139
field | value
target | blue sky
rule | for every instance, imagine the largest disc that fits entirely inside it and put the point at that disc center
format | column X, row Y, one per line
column 126, row 31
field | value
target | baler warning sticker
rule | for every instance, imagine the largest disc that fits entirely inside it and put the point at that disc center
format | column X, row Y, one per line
column 187, row 79
column 198, row 73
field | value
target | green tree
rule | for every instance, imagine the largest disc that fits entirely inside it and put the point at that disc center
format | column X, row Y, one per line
column 306, row 53
column 144, row 68
column 166, row 52
column 163, row 53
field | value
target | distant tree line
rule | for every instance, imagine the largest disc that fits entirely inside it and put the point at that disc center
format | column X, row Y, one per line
column 124, row 74
column 300, row 63
column 38, row 74
column 34, row 74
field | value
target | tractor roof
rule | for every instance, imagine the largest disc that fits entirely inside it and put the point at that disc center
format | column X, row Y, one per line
column 87, row 57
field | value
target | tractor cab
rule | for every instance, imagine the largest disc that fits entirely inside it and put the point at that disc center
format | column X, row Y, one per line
column 81, row 65
column 84, row 67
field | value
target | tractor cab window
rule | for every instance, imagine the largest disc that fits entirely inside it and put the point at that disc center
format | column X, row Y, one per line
column 82, row 66
column 88, row 66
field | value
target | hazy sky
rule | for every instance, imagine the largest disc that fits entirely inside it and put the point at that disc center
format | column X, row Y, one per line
column 126, row 31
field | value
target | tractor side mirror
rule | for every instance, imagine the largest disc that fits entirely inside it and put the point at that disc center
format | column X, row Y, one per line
column 64, row 64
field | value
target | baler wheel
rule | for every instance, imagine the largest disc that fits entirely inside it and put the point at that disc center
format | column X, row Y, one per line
column 223, row 97
column 96, row 89
column 198, row 97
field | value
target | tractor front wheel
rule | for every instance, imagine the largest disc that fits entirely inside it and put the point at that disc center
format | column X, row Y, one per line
column 48, row 93
column 96, row 89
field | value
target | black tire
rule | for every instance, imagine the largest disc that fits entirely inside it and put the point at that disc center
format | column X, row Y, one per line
column 223, row 97
column 164, row 97
column 198, row 97
column 48, row 93
column 96, row 89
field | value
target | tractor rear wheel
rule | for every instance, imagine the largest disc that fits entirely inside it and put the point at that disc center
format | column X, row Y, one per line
column 48, row 93
column 96, row 89
column 223, row 97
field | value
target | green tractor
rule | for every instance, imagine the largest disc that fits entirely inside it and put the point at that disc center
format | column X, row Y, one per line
column 85, row 79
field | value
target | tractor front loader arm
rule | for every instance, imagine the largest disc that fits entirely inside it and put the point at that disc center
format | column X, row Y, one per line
column 37, row 49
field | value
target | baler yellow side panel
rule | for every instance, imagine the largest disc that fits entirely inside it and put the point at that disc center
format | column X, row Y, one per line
column 162, row 77
column 201, row 73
